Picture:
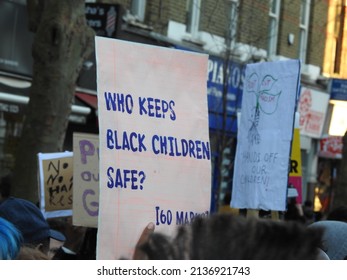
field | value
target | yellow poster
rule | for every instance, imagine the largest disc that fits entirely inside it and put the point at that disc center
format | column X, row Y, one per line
column 295, row 159
column 56, row 181
column 295, row 174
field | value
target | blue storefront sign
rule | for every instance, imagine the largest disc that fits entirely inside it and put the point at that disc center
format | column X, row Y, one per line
column 217, row 85
column 338, row 89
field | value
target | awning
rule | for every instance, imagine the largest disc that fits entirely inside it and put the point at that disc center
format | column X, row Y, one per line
column 18, row 99
column 89, row 99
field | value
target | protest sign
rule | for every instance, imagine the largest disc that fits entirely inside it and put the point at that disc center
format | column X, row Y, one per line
column 55, row 183
column 295, row 172
column 154, row 142
column 86, row 179
column 264, row 136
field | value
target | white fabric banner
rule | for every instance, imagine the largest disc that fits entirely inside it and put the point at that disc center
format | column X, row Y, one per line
column 264, row 135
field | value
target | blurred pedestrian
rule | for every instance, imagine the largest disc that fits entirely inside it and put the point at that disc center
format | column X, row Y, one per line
column 293, row 212
column 308, row 212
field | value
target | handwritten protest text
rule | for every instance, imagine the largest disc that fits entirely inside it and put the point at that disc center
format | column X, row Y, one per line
column 149, row 106
column 166, row 145
column 58, row 184
column 179, row 217
column 126, row 178
column 259, row 167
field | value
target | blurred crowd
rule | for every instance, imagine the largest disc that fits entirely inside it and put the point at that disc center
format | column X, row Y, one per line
column 296, row 234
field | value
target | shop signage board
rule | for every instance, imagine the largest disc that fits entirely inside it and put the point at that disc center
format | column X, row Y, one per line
column 338, row 89
column 312, row 106
column 265, row 134
column 218, row 76
column 154, row 142
column 330, row 147
column 102, row 18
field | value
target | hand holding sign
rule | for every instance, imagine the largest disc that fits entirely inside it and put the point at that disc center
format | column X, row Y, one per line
column 139, row 254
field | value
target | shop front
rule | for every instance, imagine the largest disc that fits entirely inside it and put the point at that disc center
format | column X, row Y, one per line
column 331, row 177
column 313, row 112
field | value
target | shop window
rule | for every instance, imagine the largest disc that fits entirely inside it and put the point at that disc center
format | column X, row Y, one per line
column 10, row 132
column 138, row 9
column 193, row 17
column 338, row 34
column 304, row 24
column 274, row 17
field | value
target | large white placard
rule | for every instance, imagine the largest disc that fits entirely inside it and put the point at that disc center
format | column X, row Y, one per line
column 154, row 142
column 264, row 135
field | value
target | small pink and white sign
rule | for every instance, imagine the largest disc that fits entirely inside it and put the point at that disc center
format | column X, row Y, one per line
column 313, row 105
column 330, row 147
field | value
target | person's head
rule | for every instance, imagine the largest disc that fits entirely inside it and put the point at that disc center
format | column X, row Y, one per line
column 10, row 240
column 30, row 221
column 334, row 241
column 228, row 237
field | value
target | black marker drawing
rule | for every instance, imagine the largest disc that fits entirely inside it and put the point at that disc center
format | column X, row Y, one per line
column 266, row 102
